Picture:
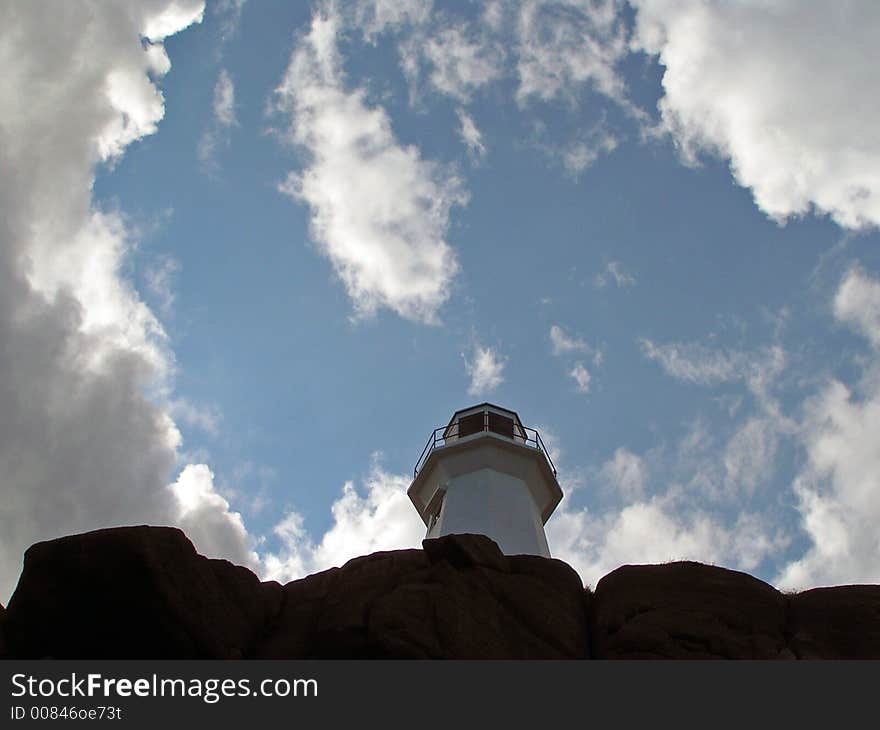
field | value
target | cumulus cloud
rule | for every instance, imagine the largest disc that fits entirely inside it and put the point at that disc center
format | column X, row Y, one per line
column 379, row 211
column 651, row 511
column 669, row 526
column 835, row 489
column 783, row 90
column 81, row 444
column 655, row 531
column 651, row 515
column 382, row 518
column 208, row 519
column 485, row 369
column 857, row 303
column 838, row 488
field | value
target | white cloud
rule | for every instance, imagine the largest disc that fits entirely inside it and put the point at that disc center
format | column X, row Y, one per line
column 838, row 488
column 217, row 133
column 857, row 303
column 470, row 135
column 693, row 362
column 379, row 211
column 461, row 60
column 615, row 273
column 581, row 377
column 81, row 444
column 382, row 519
column 579, row 155
column 626, row 472
column 747, row 459
column 564, row 343
column 159, row 280
column 682, row 521
column 576, row 152
column 749, row 455
column 665, row 527
column 163, row 18
column 207, row 518
column 229, row 14
column 485, row 369
column 705, row 365
column 785, row 90
column 206, row 418
column 565, row 45
column 376, row 16
column 224, row 100
column 655, row 531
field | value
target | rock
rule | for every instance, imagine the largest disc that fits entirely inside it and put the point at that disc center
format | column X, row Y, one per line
column 466, row 551
column 836, row 623
column 134, row 592
column 459, row 598
column 2, row 640
column 144, row 592
column 325, row 614
column 687, row 610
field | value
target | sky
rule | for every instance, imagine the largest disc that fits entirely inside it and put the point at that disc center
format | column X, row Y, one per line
column 253, row 253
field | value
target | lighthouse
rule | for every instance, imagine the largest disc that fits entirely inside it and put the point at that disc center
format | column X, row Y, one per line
column 486, row 473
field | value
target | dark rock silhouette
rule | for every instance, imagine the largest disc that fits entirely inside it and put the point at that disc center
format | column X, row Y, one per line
column 134, row 592
column 458, row 598
column 836, row 623
column 144, row 592
column 2, row 640
column 688, row 610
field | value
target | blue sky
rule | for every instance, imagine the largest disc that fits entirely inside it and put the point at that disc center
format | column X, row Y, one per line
column 649, row 227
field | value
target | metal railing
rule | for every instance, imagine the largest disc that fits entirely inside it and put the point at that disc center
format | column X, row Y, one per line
column 521, row 435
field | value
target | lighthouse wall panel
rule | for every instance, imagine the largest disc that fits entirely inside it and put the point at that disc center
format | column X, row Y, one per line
column 492, row 503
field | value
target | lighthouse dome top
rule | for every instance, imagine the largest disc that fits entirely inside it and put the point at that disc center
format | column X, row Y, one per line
column 485, row 417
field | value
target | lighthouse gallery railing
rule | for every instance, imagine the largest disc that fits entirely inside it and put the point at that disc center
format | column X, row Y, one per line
column 522, row 435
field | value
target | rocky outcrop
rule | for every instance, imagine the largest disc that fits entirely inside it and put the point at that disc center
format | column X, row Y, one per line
column 144, row 592
column 687, row 610
column 134, row 592
column 458, row 598
column 836, row 623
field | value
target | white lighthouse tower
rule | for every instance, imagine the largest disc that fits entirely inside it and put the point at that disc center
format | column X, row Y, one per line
column 486, row 473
